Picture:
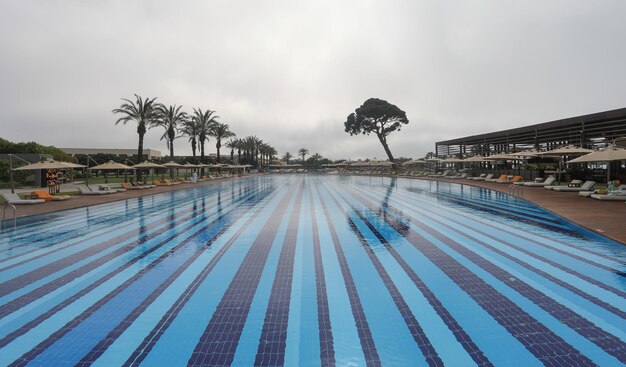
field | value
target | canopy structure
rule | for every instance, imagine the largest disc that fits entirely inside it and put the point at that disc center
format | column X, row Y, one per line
column 172, row 164
column 46, row 164
column 567, row 150
column 526, row 153
column 607, row 155
column 111, row 165
column 476, row 158
column 500, row 157
column 148, row 165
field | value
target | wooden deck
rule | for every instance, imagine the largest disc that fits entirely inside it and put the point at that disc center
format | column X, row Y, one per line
column 604, row 217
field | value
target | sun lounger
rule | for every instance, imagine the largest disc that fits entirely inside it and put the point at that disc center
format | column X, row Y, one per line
column 609, row 197
column 502, row 177
column 16, row 200
column 584, row 187
column 573, row 183
column 549, row 181
column 461, row 176
column 84, row 190
column 41, row 194
column 484, row 178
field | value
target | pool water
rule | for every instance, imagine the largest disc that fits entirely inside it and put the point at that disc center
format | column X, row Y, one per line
column 307, row 270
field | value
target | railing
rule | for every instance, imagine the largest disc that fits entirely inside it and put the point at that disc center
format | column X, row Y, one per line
column 516, row 190
column 4, row 210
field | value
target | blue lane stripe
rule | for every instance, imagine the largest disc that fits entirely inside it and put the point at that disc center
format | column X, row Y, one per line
column 365, row 334
column 145, row 244
column 198, row 301
column 303, row 326
column 471, row 232
column 344, row 324
column 534, row 335
column 327, row 350
column 272, row 343
column 203, row 241
column 218, row 343
column 541, row 244
column 106, row 313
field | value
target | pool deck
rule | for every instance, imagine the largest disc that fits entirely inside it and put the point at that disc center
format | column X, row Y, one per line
column 604, row 217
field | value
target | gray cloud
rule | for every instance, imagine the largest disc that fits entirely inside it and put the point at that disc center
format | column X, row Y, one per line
column 291, row 71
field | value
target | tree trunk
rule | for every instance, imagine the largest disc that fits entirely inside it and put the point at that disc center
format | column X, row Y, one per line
column 218, row 146
column 383, row 141
column 202, row 157
column 193, row 151
column 140, row 155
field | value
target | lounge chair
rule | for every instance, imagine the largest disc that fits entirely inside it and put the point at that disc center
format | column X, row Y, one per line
column 16, row 200
column 481, row 177
column 129, row 186
column 85, row 190
column 461, row 176
column 573, row 183
column 549, row 181
column 502, row 177
column 41, row 194
column 584, row 187
column 616, row 194
column 161, row 183
column 513, row 180
column 484, row 178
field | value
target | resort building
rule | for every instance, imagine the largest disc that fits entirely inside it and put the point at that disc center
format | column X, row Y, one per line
column 150, row 153
column 589, row 131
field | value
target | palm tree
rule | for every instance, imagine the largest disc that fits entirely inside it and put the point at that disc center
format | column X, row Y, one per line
column 189, row 128
column 204, row 123
column 170, row 118
column 286, row 157
column 232, row 145
column 142, row 111
column 316, row 158
column 303, row 152
column 220, row 131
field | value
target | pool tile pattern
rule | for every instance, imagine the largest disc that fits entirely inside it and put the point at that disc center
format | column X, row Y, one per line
column 462, row 275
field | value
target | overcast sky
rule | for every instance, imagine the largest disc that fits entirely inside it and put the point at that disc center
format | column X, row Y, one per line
column 291, row 71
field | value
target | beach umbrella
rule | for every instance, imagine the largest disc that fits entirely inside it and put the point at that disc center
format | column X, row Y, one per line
column 111, row 166
column 607, row 155
column 567, row 150
column 171, row 165
column 526, row 153
column 45, row 164
column 500, row 157
column 191, row 166
column 147, row 165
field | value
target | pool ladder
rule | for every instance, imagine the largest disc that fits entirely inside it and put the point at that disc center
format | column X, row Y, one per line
column 4, row 212
column 516, row 190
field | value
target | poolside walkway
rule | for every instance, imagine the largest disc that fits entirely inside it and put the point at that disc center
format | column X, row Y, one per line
column 79, row 201
column 604, row 217
column 607, row 218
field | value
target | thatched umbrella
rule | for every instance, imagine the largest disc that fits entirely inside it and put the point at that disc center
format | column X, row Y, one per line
column 45, row 164
column 111, row 166
column 607, row 155
column 148, row 165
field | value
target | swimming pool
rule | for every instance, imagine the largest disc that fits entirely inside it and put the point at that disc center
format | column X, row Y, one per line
column 311, row 270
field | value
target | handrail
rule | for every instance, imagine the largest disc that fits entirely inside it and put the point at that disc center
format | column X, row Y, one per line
column 4, row 209
column 516, row 189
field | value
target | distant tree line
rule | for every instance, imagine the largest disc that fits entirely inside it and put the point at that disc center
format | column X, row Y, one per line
column 198, row 127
